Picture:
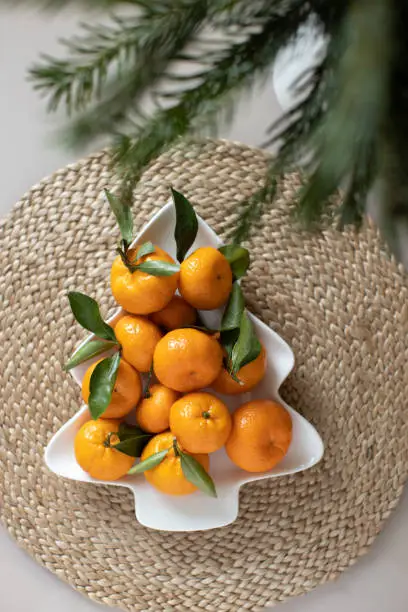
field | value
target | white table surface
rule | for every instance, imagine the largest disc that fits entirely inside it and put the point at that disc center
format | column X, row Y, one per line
column 378, row 582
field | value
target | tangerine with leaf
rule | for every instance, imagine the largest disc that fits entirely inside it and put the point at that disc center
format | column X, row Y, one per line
column 116, row 394
column 171, row 470
column 95, row 450
column 245, row 379
column 143, row 284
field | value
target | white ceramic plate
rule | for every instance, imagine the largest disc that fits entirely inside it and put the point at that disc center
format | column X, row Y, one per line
column 197, row 511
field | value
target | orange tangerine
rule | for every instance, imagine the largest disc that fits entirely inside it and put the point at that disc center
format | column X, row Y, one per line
column 138, row 337
column 168, row 476
column 126, row 393
column 95, row 451
column 139, row 292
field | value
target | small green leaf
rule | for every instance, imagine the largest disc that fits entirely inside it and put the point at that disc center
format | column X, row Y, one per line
column 231, row 321
column 90, row 349
column 86, row 312
column 196, row 474
column 147, row 248
column 132, row 440
column 127, row 431
column 247, row 347
column 186, row 224
column 123, row 214
column 149, row 463
column 101, row 385
column 228, row 339
column 238, row 258
column 234, row 376
column 158, row 268
column 233, row 312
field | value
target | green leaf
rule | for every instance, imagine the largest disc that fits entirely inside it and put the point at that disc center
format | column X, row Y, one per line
column 132, row 440
column 90, row 349
column 233, row 312
column 196, row 474
column 127, row 431
column 186, row 224
column 86, row 312
column 147, row 248
column 247, row 347
column 234, row 376
column 238, row 258
column 149, row 463
column 228, row 339
column 123, row 214
column 101, row 385
column 231, row 321
column 158, row 268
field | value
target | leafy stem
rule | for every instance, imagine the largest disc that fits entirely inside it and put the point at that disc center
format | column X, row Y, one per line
column 101, row 385
column 176, row 448
column 107, row 441
column 149, row 463
column 194, row 472
column 86, row 311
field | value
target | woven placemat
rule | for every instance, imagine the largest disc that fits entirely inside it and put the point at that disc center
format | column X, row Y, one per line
column 338, row 299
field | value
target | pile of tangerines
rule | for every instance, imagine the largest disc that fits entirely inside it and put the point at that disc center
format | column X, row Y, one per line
column 160, row 336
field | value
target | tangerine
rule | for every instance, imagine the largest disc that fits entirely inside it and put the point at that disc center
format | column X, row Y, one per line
column 249, row 376
column 205, row 279
column 126, row 392
column 187, row 359
column 260, row 436
column 168, row 476
column 139, row 292
column 178, row 313
column 95, row 451
column 153, row 412
column 201, row 422
column 138, row 337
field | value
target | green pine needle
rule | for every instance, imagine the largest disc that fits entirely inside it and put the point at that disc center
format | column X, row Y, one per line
column 349, row 128
column 235, row 67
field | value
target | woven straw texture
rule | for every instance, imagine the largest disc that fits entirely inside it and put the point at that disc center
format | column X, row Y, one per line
column 338, row 299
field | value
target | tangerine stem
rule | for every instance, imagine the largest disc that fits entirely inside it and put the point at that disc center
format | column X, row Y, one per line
column 206, row 414
column 123, row 255
column 176, row 448
column 107, row 441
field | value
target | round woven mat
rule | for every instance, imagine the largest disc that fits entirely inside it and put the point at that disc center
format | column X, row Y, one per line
column 338, row 299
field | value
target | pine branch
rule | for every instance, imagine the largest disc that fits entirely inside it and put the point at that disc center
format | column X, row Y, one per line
column 349, row 128
column 59, row 4
column 355, row 114
column 164, row 35
column 338, row 110
column 138, row 48
column 77, row 80
column 392, row 192
column 236, row 67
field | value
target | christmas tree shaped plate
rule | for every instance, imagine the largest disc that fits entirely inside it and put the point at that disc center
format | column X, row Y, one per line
column 197, row 511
